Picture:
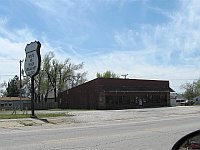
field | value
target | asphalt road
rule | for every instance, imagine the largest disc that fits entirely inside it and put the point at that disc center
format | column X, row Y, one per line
column 149, row 134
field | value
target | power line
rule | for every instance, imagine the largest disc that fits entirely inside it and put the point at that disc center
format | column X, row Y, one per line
column 7, row 74
column 3, row 60
column 183, row 79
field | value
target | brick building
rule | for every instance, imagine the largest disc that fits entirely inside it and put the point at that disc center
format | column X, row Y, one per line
column 111, row 93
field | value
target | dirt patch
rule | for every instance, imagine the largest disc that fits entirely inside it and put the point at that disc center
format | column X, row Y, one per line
column 61, row 120
column 29, row 123
column 10, row 124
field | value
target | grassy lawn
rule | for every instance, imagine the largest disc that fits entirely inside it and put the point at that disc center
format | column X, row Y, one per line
column 42, row 115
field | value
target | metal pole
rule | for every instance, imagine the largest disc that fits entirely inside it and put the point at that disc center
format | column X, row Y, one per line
column 20, row 84
column 32, row 97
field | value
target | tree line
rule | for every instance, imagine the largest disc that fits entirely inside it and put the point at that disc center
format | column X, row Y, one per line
column 54, row 77
column 107, row 74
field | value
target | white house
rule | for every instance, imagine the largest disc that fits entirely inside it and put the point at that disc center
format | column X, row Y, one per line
column 197, row 100
column 11, row 103
column 177, row 99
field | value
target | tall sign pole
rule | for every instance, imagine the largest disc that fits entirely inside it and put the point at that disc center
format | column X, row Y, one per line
column 20, row 83
column 32, row 97
column 32, row 66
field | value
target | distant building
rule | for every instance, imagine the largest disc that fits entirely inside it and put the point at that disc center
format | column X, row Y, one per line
column 197, row 100
column 173, row 97
column 11, row 103
column 112, row 93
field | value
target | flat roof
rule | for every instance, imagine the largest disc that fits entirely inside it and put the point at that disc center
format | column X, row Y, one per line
column 113, row 84
column 13, row 99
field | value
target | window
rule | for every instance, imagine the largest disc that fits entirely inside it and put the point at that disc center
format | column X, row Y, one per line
column 126, row 100
column 10, row 104
column 157, row 98
column 144, row 100
column 151, row 98
column 113, row 101
column 162, row 97
column 5, row 104
column 132, row 99
column 2, row 105
column 109, row 99
column 120, row 99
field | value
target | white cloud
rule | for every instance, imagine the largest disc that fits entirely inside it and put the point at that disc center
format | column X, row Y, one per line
column 3, row 20
column 168, row 51
column 12, row 50
column 180, row 36
column 65, row 12
column 135, row 64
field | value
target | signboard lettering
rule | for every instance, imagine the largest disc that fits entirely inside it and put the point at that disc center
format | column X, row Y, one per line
column 33, row 59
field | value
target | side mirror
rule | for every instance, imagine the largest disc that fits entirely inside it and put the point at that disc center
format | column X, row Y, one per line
column 188, row 142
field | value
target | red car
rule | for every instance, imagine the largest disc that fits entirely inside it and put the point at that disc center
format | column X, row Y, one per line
column 193, row 145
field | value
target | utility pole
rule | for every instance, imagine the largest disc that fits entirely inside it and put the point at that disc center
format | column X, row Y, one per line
column 124, row 75
column 20, row 83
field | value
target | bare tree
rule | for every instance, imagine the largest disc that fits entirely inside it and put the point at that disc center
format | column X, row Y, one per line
column 58, row 74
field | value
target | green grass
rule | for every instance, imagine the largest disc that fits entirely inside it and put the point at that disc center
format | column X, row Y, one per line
column 71, row 109
column 10, row 116
column 17, row 116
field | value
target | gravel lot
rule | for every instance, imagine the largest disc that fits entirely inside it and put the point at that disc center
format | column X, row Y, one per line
column 82, row 117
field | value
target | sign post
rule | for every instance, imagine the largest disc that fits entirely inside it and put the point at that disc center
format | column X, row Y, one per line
column 32, row 66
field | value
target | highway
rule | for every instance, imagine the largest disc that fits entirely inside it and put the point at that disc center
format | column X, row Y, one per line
column 149, row 134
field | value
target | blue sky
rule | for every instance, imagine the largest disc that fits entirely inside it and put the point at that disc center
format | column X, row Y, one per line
column 147, row 39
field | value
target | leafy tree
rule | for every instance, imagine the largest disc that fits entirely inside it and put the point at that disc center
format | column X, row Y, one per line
column 40, row 82
column 107, row 74
column 80, row 78
column 68, row 75
column 197, row 87
column 46, row 67
column 26, row 87
column 2, row 91
column 13, row 89
column 191, row 89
